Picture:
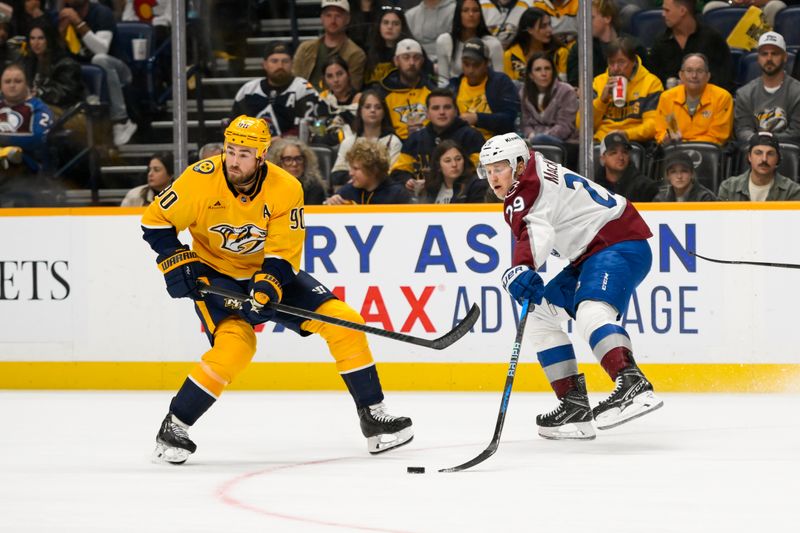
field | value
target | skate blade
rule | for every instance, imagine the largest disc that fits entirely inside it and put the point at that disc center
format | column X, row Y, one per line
column 385, row 442
column 168, row 454
column 572, row 431
column 639, row 406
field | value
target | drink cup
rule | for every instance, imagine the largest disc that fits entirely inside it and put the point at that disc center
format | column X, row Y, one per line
column 139, row 49
column 620, row 91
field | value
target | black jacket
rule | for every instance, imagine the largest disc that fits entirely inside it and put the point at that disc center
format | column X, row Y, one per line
column 632, row 185
column 697, row 193
column 419, row 146
column 468, row 189
column 666, row 55
column 386, row 193
column 60, row 83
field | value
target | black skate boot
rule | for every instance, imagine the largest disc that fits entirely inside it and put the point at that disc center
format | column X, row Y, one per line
column 632, row 398
column 172, row 442
column 570, row 420
column 384, row 431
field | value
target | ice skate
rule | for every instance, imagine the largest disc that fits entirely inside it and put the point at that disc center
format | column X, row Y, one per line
column 172, row 442
column 572, row 419
column 384, row 431
column 632, row 398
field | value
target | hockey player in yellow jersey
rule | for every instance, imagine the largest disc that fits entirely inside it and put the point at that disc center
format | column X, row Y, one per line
column 245, row 216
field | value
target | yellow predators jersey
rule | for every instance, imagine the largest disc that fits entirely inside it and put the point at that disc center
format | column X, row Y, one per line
column 232, row 232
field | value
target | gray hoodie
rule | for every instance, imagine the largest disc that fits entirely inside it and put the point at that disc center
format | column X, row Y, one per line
column 426, row 24
column 757, row 110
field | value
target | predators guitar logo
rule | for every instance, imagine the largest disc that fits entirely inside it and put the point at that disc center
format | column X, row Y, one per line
column 245, row 240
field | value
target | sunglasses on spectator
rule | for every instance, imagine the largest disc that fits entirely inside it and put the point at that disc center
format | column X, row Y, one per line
column 296, row 160
column 392, row 8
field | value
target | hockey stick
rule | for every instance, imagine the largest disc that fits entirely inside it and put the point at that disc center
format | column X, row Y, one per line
column 501, row 416
column 755, row 263
column 441, row 343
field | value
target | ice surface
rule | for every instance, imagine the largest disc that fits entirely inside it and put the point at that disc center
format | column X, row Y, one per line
column 296, row 462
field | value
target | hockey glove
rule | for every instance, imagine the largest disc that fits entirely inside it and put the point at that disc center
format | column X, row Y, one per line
column 180, row 269
column 264, row 288
column 523, row 283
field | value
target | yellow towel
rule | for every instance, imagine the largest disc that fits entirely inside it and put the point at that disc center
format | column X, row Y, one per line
column 72, row 40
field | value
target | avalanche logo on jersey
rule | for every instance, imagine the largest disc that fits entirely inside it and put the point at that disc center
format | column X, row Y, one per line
column 11, row 121
column 245, row 240
column 206, row 166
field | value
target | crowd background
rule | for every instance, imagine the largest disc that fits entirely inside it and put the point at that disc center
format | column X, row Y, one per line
column 389, row 102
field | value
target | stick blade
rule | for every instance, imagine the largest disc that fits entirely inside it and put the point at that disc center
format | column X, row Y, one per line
column 459, row 331
column 485, row 454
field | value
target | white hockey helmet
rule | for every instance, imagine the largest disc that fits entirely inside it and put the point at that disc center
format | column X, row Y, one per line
column 507, row 147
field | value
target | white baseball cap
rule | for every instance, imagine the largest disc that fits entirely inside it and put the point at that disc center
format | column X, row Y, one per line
column 407, row 46
column 773, row 38
column 341, row 4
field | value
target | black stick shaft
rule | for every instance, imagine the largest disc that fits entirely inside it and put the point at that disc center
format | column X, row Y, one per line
column 501, row 416
column 437, row 344
column 754, row 263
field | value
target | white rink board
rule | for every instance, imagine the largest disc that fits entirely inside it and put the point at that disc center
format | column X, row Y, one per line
column 95, row 293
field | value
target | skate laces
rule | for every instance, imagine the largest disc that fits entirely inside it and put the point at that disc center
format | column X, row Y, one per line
column 378, row 412
column 612, row 396
column 178, row 430
column 557, row 409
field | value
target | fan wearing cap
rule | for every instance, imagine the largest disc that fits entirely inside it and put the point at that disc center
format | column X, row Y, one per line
column 311, row 56
column 761, row 182
column 695, row 110
column 245, row 217
column 486, row 99
column 618, row 174
column 681, row 183
column 282, row 98
column 406, row 88
column 770, row 102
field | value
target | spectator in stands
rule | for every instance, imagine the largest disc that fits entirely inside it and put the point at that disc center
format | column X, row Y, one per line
column 695, row 110
column 54, row 76
column 339, row 100
column 467, row 23
column 534, row 35
column 685, row 34
column 209, row 150
column 443, row 124
column 549, row 106
column 605, row 28
column 281, row 97
column 772, row 101
column 486, row 99
column 761, row 182
column 311, row 55
column 296, row 158
column 406, row 89
column 617, row 172
column 564, row 15
column 24, row 123
column 372, row 122
column 26, row 14
column 452, row 178
column 88, row 30
column 428, row 20
column 369, row 184
column 681, row 185
column 160, row 172
column 637, row 116
column 158, row 14
column 363, row 14
column 390, row 28
column 503, row 18
column 770, row 8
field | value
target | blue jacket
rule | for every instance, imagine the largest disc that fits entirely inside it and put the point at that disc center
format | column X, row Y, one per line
column 503, row 99
column 26, row 125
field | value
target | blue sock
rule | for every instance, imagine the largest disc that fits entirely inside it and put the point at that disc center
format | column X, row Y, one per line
column 364, row 386
column 191, row 402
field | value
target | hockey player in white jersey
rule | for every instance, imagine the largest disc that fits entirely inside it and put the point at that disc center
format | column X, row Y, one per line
column 552, row 210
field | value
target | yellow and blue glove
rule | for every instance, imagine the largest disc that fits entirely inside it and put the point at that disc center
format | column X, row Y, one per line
column 181, row 270
column 263, row 288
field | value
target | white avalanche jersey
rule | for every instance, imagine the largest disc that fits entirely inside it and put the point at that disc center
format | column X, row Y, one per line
column 554, row 210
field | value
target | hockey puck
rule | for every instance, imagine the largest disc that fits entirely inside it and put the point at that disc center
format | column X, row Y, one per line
column 415, row 469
